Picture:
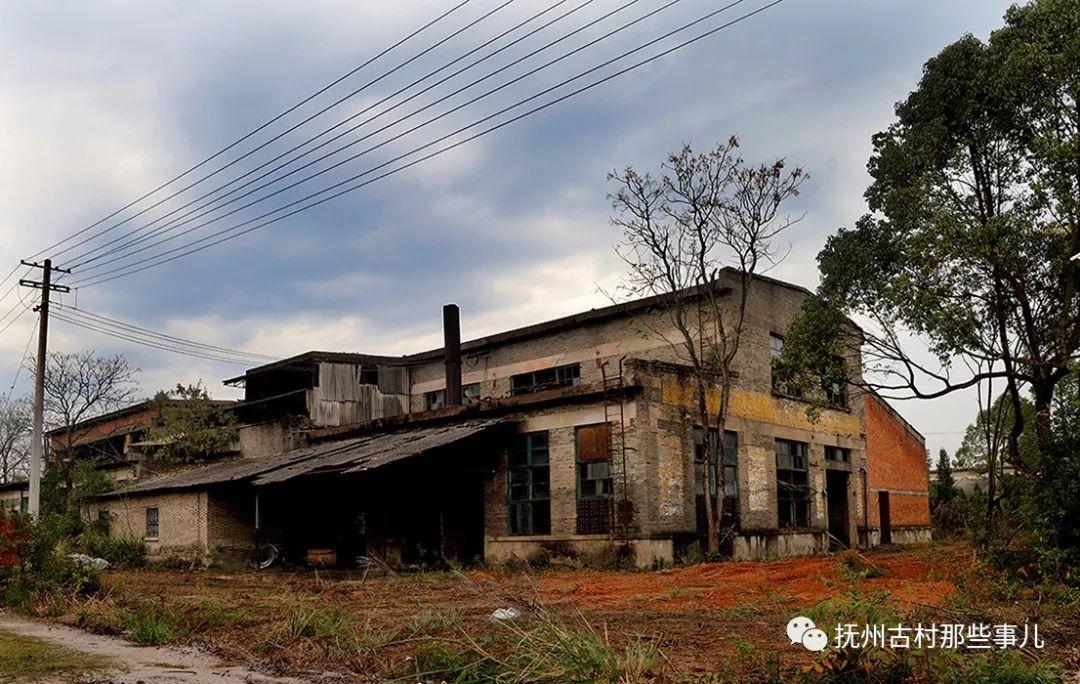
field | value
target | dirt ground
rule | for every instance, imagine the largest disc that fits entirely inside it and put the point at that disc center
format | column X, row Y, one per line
column 701, row 616
column 122, row 663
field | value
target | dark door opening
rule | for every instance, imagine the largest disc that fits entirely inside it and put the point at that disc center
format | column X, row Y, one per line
column 836, row 484
column 886, row 517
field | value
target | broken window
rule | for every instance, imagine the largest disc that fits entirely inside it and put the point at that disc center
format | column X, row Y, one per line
column 595, row 485
column 561, row 376
column 730, row 471
column 836, row 392
column 369, row 375
column 470, row 394
column 528, row 484
column 792, row 483
column 776, row 348
column 151, row 523
column 840, row 454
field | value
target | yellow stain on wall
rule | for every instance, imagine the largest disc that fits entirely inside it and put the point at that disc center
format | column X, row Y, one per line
column 762, row 407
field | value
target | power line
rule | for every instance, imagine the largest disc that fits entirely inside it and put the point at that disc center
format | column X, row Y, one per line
column 18, row 367
column 121, row 272
column 261, row 127
column 431, row 120
column 165, row 337
column 148, row 342
column 344, row 121
column 294, row 127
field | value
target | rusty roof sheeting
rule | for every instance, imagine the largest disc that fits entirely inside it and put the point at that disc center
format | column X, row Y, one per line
column 349, row 455
column 375, row 450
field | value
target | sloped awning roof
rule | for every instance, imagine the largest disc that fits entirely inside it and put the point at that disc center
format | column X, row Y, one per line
column 353, row 455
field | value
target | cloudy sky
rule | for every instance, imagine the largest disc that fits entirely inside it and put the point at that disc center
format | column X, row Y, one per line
column 101, row 102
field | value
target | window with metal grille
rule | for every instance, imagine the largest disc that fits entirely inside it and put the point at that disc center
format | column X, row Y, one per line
column 840, row 454
column 528, row 482
column 151, row 523
column 594, row 482
column 730, row 470
column 470, row 394
column 792, row 483
column 549, row 378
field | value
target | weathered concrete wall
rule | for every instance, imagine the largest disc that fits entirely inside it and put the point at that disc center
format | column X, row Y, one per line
column 647, row 552
column 771, row 545
column 659, row 431
column 263, row 439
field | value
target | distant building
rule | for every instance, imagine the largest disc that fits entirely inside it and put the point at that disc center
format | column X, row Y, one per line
column 14, row 496
column 576, row 434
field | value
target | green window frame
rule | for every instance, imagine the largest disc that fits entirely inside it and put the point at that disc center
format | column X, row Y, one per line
column 528, row 482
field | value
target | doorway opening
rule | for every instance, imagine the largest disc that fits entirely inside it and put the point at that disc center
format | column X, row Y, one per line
column 886, row 517
column 836, row 485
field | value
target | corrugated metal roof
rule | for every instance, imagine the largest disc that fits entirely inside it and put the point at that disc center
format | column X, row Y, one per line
column 349, row 455
column 372, row 451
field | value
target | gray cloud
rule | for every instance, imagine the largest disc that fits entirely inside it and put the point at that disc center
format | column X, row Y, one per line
column 109, row 98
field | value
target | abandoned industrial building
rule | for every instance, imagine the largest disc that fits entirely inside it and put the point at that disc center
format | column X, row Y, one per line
column 576, row 434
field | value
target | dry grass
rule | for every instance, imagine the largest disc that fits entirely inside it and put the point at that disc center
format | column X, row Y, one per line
column 713, row 622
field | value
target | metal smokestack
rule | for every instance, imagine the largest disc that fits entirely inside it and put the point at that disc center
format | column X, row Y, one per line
column 451, row 318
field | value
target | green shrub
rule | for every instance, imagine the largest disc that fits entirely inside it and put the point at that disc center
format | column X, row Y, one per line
column 1004, row 668
column 120, row 552
column 150, row 624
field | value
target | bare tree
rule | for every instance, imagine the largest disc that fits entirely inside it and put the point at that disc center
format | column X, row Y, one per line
column 704, row 213
column 14, row 438
column 83, row 385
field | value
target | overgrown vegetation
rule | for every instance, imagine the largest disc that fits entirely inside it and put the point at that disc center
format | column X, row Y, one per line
column 966, row 253
column 27, row 659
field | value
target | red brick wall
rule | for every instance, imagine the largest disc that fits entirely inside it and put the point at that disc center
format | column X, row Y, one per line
column 896, row 462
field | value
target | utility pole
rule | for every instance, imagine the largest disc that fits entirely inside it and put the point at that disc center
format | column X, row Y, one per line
column 46, row 286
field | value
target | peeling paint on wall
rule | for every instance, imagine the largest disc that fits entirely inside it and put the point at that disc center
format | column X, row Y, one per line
column 759, row 490
column 670, row 472
column 765, row 408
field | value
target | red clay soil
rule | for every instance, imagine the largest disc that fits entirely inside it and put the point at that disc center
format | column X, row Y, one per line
column 912, row 576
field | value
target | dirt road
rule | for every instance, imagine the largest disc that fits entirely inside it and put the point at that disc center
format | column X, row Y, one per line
column 146, row 664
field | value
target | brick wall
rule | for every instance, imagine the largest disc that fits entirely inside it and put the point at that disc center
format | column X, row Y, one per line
column 182, row 522
column 896, row 463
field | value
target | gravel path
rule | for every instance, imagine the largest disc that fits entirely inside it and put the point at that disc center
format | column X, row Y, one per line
column 140, row 664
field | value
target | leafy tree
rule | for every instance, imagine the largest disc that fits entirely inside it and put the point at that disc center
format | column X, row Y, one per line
column 974, row 215
column 984, row 440
column 704, row 212
column 191, row 425
column 944, row 487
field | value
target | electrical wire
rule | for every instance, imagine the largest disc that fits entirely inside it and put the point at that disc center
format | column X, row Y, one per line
column 78, row 258
column 434, row 119
column 261, row 127
column 294, row 127
column 150, row 263
column 147, row 343
column 165, row 338
column 18, row 367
